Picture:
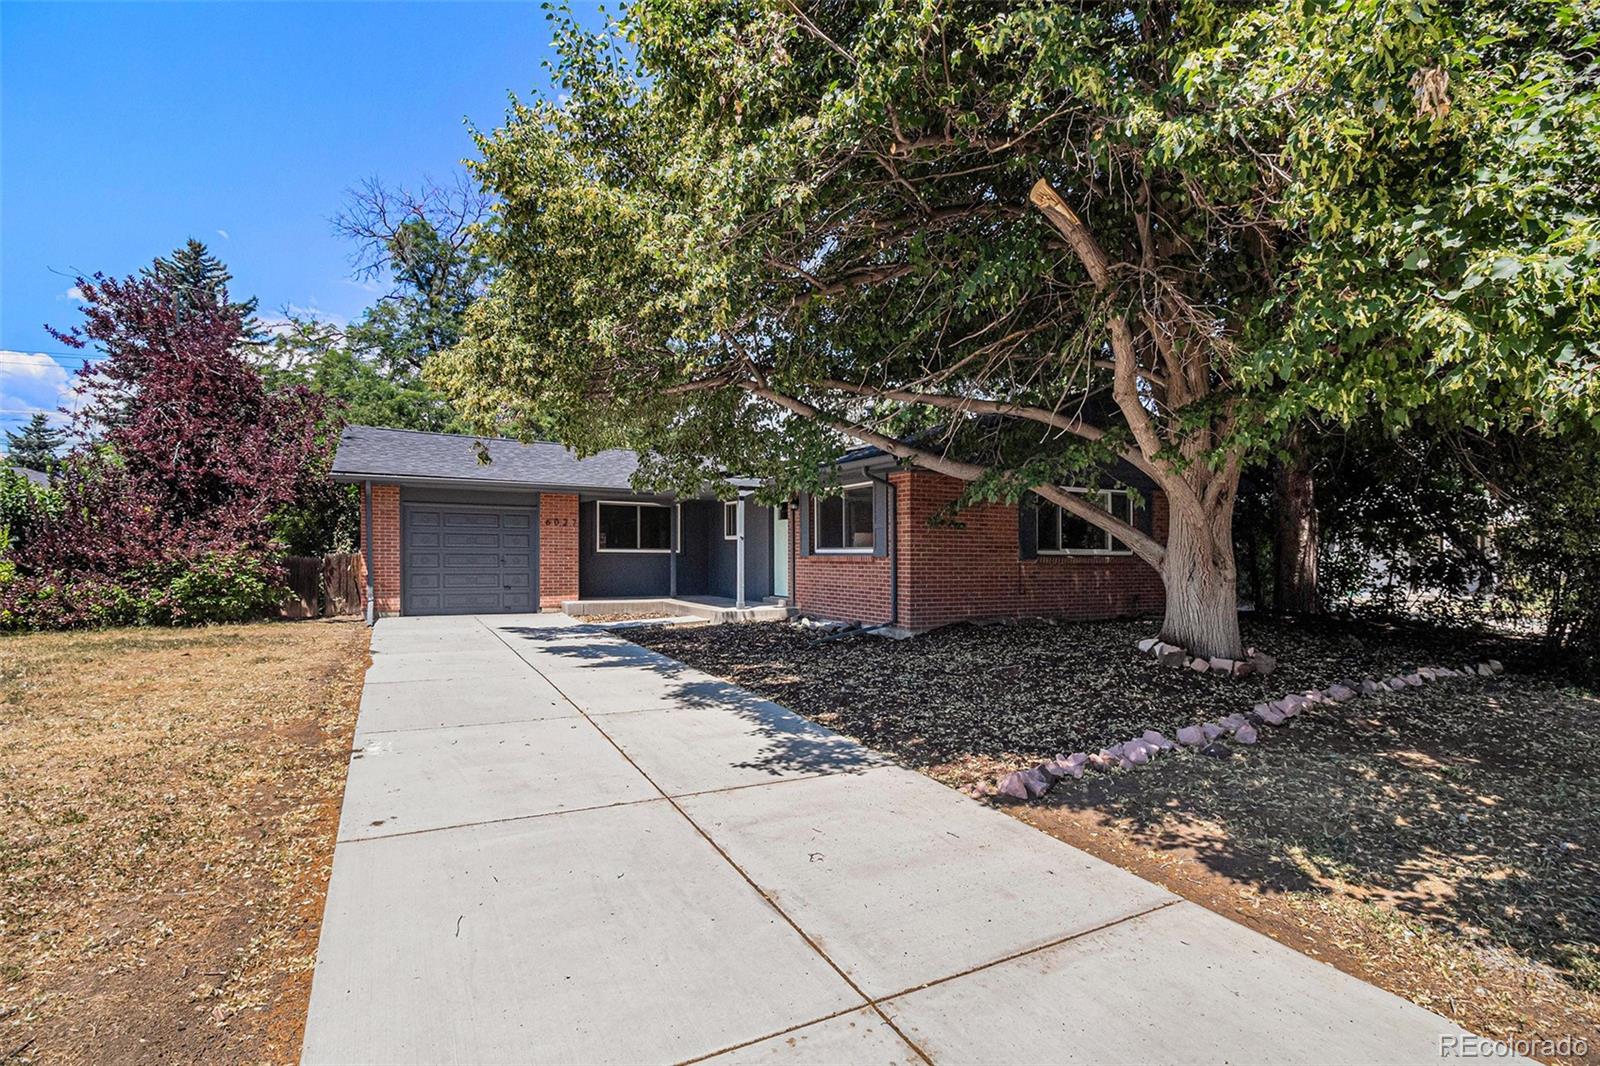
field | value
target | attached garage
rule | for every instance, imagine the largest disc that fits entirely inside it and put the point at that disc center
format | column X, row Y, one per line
column 459, row 559
column 471, row 525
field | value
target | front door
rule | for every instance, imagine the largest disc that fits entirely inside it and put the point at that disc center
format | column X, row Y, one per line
column 780, row 550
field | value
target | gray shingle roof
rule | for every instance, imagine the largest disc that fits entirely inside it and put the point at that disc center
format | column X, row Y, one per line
column 403, row 454
column 38, row 477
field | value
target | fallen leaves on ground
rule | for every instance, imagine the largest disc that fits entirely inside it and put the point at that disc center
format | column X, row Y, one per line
column 1440, row 841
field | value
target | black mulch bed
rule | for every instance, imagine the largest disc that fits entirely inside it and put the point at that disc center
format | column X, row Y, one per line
column 1470, row 802
column 1015, row 693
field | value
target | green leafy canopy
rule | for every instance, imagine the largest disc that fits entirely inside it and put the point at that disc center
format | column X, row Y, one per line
column 1340, row 208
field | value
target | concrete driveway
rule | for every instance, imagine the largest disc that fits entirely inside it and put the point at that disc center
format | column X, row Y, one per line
column 560, row 847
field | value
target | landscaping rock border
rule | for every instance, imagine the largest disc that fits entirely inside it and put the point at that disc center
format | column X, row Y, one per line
column 1208, row 737
column 1254, row 661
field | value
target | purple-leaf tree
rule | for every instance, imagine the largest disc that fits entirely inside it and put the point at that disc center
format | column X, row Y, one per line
column 189, row 453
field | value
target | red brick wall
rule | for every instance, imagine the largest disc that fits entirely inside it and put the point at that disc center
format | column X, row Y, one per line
column 848, row 588
column 971, row 569
column 385, row 539
column 558, row 549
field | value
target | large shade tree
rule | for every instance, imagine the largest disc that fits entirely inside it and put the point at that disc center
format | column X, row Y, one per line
column 1029, row 245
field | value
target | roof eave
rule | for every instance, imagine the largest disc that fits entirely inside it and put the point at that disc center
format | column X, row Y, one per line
column 356, row 477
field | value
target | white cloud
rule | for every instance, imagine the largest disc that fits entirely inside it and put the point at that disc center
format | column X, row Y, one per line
column 73, row 293
column 281, row 326
column 34, row 382
column 223, row 234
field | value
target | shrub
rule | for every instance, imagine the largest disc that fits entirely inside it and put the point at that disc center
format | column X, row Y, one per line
column 213, row 587
column 217, row 587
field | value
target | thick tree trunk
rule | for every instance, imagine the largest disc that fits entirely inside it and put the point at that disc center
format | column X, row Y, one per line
column 1295, row 588
column 1202, row 586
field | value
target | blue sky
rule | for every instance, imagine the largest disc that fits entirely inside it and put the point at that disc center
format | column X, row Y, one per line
column 127, row 128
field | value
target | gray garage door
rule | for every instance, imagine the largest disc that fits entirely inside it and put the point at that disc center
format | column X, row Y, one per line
column 468, row 560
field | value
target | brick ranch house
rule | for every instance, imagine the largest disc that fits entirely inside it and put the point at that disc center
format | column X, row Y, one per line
column 447, row 529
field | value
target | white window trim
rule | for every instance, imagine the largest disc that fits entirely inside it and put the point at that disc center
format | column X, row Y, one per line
column 638, row 528
column 816, row 502
column 735, row 534
column 1109, row 535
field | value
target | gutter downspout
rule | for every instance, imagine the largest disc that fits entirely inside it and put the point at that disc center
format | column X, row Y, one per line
column 366, row 550
column 890, row 522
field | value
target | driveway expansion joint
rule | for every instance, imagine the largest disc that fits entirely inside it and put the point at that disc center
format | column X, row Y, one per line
column 809, row 940
column 498, row 930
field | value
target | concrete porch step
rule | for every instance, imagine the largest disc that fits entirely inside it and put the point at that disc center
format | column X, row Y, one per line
column 711, row 608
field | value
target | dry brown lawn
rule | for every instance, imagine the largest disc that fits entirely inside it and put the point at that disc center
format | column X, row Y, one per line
column 170, row 799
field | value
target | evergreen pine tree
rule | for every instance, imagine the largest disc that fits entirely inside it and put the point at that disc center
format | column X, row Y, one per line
column 195, row 274
column 35, row 446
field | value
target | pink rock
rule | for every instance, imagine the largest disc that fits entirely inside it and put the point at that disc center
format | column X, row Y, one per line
column 1496, row 666
column 1157, row 740
column 1232, row 722
column 1428, row 673
column 1245, row 734
column 1341, row 693
column 1289, row 706
column 1369, row 686
column 1147, row 644
column 1396, row 683
column 1414, row 680
column 1035, row 782
column 1243, row 669
column 1012, row 786
column 1212, row 730
column 1484, row 670
column 1262, row 663
column 1199, row 665
column 1101, row 761
column 1170, row 655
column 1074, row 764
column 1191, row 736
column 1268, row 715
column 1048, row 769
column 1220, row 665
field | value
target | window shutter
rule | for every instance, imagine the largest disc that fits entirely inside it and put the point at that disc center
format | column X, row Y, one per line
column 1028, row 527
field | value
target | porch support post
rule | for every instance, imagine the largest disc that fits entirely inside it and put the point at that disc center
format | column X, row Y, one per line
column 672, row 559
column 739, row 511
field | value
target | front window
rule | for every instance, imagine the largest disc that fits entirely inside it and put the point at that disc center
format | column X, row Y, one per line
column 633, row 527
column 843, row 523
column 730, row 521
column 1061, row 533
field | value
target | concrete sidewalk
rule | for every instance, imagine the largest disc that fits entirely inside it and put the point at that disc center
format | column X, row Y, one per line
column 560, row 847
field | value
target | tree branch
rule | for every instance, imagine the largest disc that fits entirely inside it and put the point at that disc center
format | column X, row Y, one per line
column 945, row 401
column 1142, row 545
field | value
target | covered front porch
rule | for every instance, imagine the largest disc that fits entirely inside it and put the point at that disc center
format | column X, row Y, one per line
column 723, row 560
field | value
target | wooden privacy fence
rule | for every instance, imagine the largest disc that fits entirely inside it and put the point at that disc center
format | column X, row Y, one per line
column 322, row 586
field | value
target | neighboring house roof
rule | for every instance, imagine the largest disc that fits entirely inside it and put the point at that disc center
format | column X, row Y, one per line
column 38, row 477
column 366, row 452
